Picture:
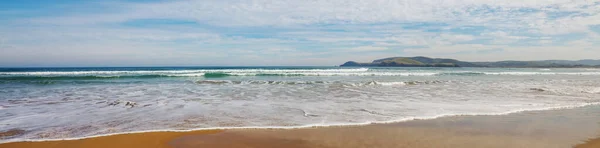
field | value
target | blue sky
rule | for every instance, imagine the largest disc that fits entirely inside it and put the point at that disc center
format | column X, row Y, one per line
column 291, row 32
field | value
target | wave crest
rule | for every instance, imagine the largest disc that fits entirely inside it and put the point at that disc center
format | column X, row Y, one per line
column 368, row 83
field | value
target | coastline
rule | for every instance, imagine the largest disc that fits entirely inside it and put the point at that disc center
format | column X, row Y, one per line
column 8, row 133
column 546, row 128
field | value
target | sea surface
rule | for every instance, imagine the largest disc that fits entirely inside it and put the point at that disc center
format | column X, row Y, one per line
column 68, row 103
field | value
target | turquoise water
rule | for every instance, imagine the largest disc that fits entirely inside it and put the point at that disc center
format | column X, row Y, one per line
column 58, row 103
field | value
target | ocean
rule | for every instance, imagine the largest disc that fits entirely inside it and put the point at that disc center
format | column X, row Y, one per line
column 71, row 103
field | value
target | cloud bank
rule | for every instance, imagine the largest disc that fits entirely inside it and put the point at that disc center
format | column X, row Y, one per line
column 293, row 32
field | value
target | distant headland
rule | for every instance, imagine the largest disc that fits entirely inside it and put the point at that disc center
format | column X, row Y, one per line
column 421, row 61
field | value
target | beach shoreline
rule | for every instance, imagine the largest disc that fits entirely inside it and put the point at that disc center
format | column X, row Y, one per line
column 143, row 139
column 81, row 103
column 548, row 128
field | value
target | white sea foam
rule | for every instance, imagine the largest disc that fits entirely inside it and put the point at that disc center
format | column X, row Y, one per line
column 291, row 72
column 187, row 75
column 38, row 73
column 390, row 83
column 542, row 73
column 303, row 126
column 334, row 74
column 368, row 83
column 593, row 90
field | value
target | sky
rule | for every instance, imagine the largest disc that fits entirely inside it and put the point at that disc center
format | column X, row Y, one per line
column 291, row 32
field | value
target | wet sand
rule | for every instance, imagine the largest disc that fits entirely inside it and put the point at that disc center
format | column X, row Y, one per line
column 134, row 140
column 594, row 143
column 544, row 129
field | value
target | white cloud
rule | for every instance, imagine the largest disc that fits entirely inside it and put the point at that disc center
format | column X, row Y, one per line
column 502, row 34
column 457, row 37
column 364, row 26
column 449, row 49
column 530, row 15
column 290, row 12
column 501, row 37
column 545, row 41
column 368, row 48
column 579, row 43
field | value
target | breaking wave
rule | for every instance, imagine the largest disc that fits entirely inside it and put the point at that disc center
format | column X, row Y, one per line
column 218, row 73
column 368, row 83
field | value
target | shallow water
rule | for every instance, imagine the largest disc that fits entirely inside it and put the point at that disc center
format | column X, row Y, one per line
column 56, row 103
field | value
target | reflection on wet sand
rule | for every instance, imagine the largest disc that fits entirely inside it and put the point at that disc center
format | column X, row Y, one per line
column 593, row 143
column 543, row 129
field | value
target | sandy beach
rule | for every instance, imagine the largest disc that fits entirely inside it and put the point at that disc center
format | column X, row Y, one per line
column 532, row 129
column 299, row 74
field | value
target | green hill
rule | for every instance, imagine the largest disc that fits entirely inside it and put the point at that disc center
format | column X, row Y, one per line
column 421, row 61
column 412, row 62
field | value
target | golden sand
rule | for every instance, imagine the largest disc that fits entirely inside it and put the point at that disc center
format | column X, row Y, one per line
column 133, row 140
column 359, row 137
